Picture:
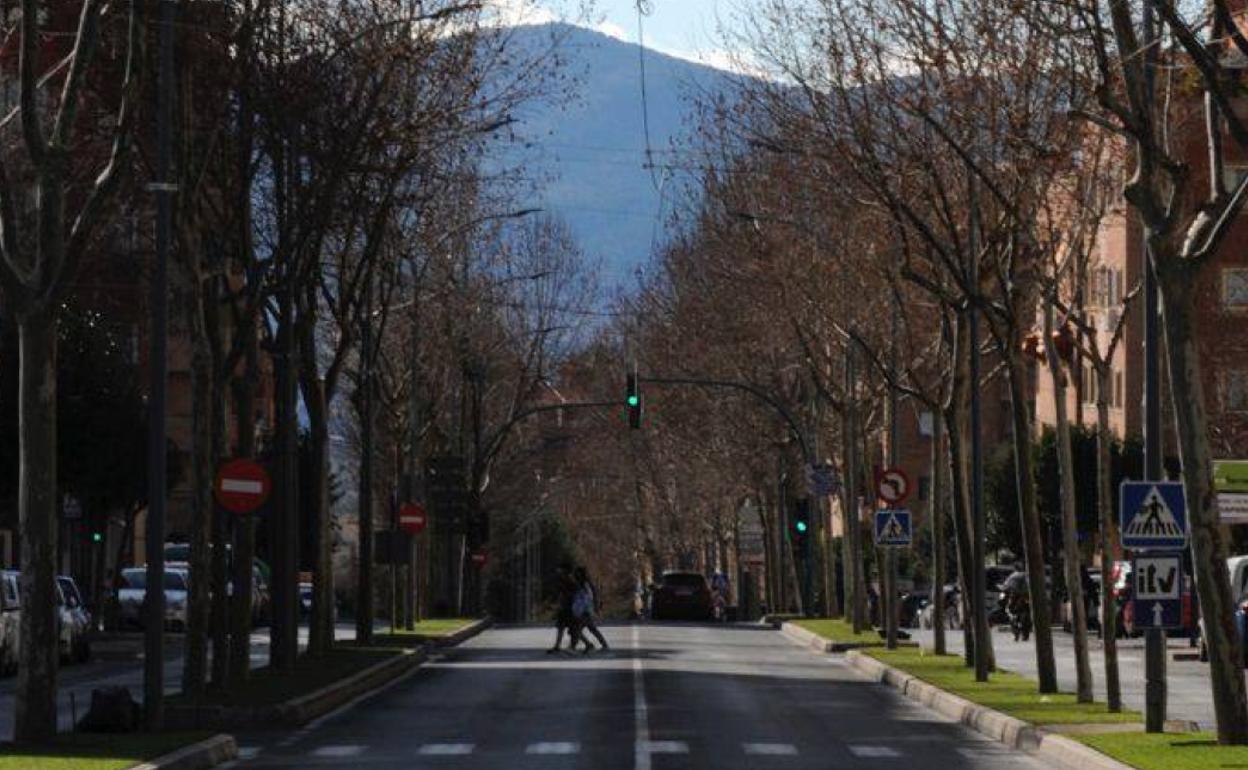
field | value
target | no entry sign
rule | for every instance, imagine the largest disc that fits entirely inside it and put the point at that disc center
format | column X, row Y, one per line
column 480, row 558
column 412, row 518
column 242, row 486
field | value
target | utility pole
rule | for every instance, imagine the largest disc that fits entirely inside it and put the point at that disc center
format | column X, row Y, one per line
column 1155, row 693
column 154, row 654
column 978, row 605
column 889, row 589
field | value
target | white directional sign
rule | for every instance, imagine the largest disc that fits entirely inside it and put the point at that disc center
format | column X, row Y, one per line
column 1153, row 514
column 1158, row 594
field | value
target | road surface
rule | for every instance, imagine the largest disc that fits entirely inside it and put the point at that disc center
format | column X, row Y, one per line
column 666, row 697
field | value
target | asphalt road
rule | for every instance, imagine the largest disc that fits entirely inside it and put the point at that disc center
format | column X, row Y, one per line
column 666, row 697
column 1189, row 694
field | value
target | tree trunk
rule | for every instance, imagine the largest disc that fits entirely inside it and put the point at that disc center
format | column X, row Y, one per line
column 245, row 530
column 35, row 715
column 1029, row 515
column 936, row 508
column 1208, row 547
column 364, row 580
column 284, row 628
column 1070, row 523
column 1110, row 549
column 195, row 665
column 321, row 623
column 220, row 558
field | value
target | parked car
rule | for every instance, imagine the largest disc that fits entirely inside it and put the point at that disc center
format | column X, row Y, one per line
column 682, row 596
column 261, row 602
column 132, row 594
column 75, row 621
column 1237, row 566
column 10, row 622
column 911, row 606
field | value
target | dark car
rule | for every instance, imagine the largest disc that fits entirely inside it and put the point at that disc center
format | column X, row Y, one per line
column 682, row 596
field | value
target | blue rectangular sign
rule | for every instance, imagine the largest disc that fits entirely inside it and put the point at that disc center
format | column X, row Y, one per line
column 1152, row 514
column 892, row 527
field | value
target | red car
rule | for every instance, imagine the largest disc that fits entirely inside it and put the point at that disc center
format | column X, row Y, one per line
column 1121, row 589
column 682, row 596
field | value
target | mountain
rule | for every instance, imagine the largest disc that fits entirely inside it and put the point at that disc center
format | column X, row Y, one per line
column 592, row 148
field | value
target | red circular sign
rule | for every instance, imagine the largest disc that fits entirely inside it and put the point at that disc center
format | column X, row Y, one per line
column 480, row 558
column 242, row 486
column 893, row 486
column 412, row 518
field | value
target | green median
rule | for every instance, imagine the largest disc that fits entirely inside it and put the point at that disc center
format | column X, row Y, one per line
column 1004, row 691
column 840, row 631
column 424, row 631
column 95, row 751
column 1168, row 751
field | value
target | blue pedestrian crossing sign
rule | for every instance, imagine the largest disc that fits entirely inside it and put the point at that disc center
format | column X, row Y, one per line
column 892, row 527
column 1152, row 514
column 1158, row 590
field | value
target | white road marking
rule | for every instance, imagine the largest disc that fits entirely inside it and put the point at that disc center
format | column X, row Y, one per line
column 874, row 752
column 446, row 749
column 641, row 719
column 553, row 747
column 770, row 749
column 662, row 747
column 249, row 752
column 339, row 752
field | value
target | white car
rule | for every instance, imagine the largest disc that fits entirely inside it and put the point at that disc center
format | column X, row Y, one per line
column 1237, row 567
column 133, row 591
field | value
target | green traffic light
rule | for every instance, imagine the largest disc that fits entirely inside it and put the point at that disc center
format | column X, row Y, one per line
column 801, row 526
column 97, row 537
column 633, row 400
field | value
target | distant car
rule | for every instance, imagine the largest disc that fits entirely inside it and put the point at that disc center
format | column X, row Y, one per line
column 179, row 554
column 75, row 621
column 10, row 622
column 682, row 596
column 132, row 594
column 911, row 606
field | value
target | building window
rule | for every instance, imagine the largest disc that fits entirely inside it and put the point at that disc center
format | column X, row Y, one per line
column 1107, row 287
column 1235, row 390
column 1089, row 385
column 1119, row 389
column 1235, row 288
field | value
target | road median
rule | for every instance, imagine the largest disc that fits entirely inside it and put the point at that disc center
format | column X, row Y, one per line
column 129, row 751
column 832, row 635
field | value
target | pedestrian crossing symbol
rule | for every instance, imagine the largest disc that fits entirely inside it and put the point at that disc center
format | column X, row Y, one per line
column 892, row 527
column 1153, row 514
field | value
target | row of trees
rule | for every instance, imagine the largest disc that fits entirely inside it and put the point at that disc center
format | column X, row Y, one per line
column 911, row 185
column 341, row 230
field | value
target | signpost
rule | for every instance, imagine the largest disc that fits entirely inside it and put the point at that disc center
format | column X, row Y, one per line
column 412, row 518
column 893, row 527
column 1230, row 481
column 1153, row 514
column 1158, row 594
column 242, row 486
column 821, row 479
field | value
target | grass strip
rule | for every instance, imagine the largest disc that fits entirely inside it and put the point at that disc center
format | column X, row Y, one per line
column 1004, row 691
column 95, row 751
column 425, row 630
column 839, row 630
column 1168, row 751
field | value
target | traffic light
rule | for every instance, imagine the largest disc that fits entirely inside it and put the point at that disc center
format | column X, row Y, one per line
column 97, row 537
column 632, row 398
column 801, row 526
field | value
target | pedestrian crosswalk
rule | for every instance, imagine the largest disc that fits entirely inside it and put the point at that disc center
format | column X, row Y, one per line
column 452, row 749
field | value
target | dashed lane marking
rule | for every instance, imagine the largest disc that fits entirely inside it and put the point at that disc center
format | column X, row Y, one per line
column 662, row 747
column 553, row 747
column 770, row 749
column 874, row 752
column 446, row 749
column 249, row 752
column 339, row 752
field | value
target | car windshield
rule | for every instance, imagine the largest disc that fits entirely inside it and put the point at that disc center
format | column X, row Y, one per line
column 135, row 578
column 684, row 580
column 175, row 581
column 70, row 590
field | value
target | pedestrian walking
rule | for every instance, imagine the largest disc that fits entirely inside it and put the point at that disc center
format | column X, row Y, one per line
column 565, row 618
column 585, row 607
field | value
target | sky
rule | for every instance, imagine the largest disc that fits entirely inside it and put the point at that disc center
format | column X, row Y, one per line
column 688, row 29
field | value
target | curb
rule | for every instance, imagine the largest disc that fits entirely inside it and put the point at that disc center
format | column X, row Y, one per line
column 818, row 643
column 206, row 753
column 993, row 724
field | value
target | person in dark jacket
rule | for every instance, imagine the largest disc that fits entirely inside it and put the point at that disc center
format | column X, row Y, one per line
column 565, row 619
column 585, row 607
